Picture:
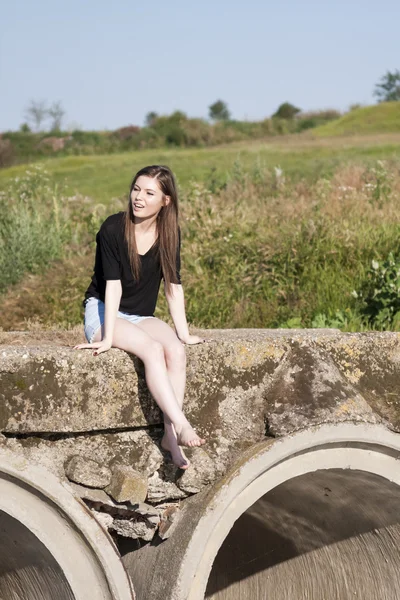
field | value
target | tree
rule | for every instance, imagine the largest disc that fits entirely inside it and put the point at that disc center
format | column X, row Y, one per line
column 286, row 111
column 56, row 113
column 150, row 118
column 219, row 111
column 388, row 89
column 36, row 113
column 177, row 117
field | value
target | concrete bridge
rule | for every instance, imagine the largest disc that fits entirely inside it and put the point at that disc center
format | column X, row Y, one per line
column 296, row 494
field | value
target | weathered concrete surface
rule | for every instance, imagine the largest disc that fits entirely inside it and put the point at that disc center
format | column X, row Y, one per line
column 245, row 388
column 53, row 389
column 243, row 385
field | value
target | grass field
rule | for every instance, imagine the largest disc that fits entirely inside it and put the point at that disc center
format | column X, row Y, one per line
column 105, row 177
column 279, row 233
column 380, row 118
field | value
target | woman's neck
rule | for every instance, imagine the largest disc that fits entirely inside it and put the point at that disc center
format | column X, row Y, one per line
column 145, row 225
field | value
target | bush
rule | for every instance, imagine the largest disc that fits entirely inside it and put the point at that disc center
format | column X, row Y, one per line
column 6, row 153
column 175, row 130
column 379, row 296
column 197, row 132
column 286, row 111
column 308, row 120
column 86, row 137
column 126, row 133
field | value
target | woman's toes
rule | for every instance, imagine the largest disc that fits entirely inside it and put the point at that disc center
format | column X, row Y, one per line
column 179, row 459
column 188, row 437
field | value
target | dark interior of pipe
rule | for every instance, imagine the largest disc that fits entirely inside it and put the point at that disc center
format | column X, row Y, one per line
column 27, row 569
column 328, row 535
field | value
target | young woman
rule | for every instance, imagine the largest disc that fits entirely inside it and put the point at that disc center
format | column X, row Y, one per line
column 135, row 250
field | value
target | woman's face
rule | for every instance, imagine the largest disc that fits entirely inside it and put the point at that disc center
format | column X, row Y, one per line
column 147, row 198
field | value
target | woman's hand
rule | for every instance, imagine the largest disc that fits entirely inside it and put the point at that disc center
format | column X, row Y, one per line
column 192, row 339
column 98, row 347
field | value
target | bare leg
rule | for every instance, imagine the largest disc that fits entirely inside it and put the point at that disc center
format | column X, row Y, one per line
column 175, row 358
column 132, row 339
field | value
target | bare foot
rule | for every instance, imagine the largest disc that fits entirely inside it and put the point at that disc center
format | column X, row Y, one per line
column 170, row 444
column 187, row 436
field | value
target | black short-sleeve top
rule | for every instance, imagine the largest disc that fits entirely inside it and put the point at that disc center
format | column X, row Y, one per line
column 112, row 262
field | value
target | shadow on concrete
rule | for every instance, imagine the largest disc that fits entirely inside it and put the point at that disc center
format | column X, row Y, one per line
column 152, row 414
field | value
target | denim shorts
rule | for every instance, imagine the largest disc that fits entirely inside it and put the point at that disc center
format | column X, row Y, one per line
column 94, row 317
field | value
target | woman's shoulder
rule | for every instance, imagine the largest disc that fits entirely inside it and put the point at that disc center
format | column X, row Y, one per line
column 113, row 224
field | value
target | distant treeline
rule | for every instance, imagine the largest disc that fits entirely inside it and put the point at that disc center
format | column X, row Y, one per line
column 175, row 130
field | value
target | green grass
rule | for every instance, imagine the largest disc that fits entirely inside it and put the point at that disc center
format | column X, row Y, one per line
column 105, row 177
column 380, row 118
column 260, row 248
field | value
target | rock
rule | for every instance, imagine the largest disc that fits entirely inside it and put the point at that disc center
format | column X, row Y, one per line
column 169, row 519
column 92, row 495
column 99, row 500
column 146, row 510
column 127, row 485
column 200, row 473
column 87, row 471
column 135, row 448
column 160, row 490
column 134, row 529
column 103, row 518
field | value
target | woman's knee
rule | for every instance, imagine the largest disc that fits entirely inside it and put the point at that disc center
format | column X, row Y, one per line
column 175, row 355
column 154, row 351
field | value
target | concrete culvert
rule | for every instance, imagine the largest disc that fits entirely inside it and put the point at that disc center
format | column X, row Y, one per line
column 27, row 569
column 321, row 532
column 311, row 516
column 329, row 534
column 51, row 547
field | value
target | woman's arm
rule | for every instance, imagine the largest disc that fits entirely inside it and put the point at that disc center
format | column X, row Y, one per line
column 112, row 299
column 176, row 306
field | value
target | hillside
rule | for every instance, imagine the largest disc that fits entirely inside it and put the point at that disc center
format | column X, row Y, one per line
column 104, row 177
column 379, row 118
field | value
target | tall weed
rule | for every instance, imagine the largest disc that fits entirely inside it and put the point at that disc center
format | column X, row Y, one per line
column 33, row 226
column 260, row 248
column 266, row 251
column 379, row 296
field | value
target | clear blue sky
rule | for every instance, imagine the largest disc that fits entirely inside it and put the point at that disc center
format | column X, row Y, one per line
column 112, row 62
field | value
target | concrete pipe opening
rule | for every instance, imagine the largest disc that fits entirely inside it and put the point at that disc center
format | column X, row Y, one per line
column 51, row 547
column 326, row 534
column 27, row 569
column 314, row 515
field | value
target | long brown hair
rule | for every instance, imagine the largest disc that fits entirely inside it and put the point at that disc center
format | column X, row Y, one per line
column 167, row 224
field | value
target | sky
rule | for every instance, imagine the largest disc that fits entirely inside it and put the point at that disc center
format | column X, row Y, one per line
column 110, row 63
